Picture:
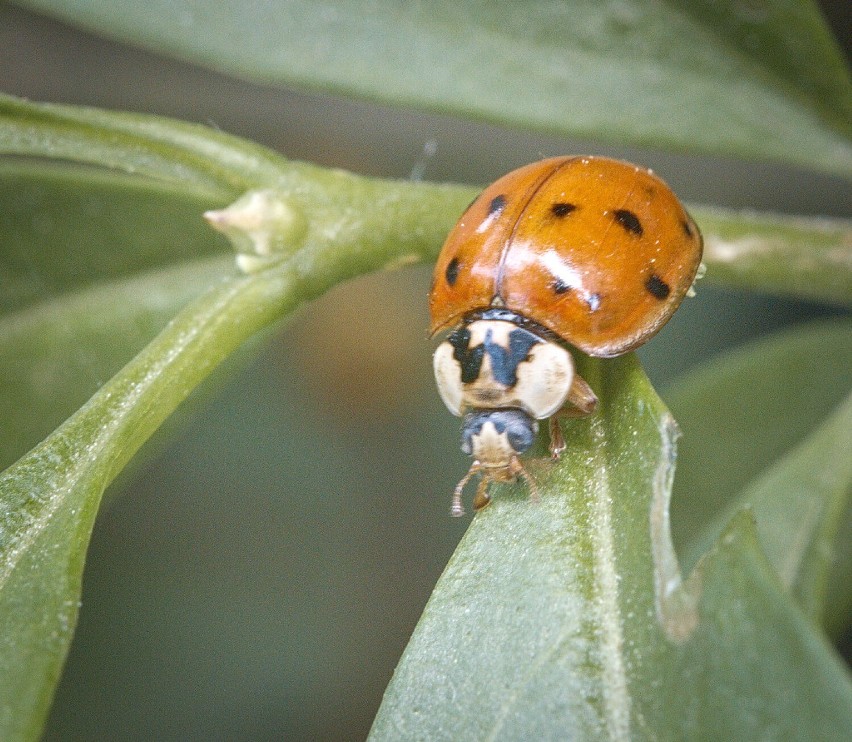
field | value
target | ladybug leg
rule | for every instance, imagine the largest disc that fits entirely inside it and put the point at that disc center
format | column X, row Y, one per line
column 457, row 510
column 557, row 440
column 582, row 399
column 482, row 498
column 516, row 470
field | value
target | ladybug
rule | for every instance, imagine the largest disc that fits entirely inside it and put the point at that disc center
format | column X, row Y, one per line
column 587, row 252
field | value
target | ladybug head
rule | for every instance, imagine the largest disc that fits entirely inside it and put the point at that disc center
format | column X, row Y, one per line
column 495, row 437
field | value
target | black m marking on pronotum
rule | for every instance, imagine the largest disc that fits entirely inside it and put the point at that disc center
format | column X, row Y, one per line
column 504, row 361
column 520, row 342
column 470, row 359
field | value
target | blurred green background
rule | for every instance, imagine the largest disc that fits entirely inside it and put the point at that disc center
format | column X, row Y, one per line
column 284, row 617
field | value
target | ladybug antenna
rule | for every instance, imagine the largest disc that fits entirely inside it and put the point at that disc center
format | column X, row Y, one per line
column 512, row 472
column 457, row 510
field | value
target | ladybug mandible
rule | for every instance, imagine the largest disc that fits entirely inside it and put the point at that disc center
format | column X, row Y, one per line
column 585, row 251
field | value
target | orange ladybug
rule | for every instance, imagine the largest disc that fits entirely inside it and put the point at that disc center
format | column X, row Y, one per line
column 586, row 251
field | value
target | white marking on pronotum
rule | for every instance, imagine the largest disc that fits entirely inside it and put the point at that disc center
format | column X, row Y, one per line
column 676, row 602
column 616, row 698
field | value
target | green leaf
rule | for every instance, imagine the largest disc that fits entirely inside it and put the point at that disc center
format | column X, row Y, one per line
column 748, row 409
column 798, row 504
column 93, row 264
column 569, row 620
column 49, row 497
column 199, row 161
column 774, row 413
column 763, row 81
column 95, row 260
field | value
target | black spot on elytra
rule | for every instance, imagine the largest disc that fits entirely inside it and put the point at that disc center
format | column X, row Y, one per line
column 498, row 203
column 657, row 287
column 452, row 272
column 561, row 209
column 559, row 286
column 629, row 221
column 504, row 361
column 594, row 302
column 505, row 364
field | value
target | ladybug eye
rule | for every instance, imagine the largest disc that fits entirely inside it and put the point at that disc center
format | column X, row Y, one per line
column 520, row 434
column 472, row 427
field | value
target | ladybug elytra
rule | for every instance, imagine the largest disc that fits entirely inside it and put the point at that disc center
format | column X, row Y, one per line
column 585, row 251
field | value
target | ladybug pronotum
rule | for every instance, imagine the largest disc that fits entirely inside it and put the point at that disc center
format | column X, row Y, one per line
column 586, row 252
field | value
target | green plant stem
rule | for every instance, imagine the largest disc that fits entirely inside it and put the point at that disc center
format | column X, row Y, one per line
column 807, row 257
